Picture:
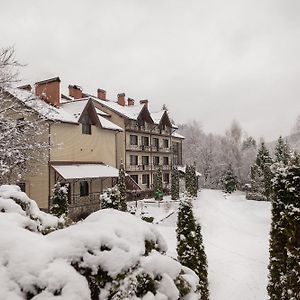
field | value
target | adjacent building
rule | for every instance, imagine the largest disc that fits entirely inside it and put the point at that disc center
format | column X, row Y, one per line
column 90, row 137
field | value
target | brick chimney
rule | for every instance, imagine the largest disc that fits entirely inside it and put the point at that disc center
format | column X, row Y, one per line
column 101, row 94
column 75, row 91
column 130, row 102
column 26, row 87
column 121, row 99
column 145, row 102
column 49, row 90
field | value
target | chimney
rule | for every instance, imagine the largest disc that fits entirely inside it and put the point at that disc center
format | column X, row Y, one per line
column 75, row 91
column 130, row 102
column 49, row 90
column 145, row 102
column 121, row 99
column 26, row 87
column 101, row 94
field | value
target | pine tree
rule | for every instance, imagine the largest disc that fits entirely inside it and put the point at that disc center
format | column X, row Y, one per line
column 122, row 188
column 175, row 184
column 187, row 179
column 261, row 175
column 194, row 181
column 191, row 181
column 277, row 266
column 59, row 200
column 190, row 247
column 284, row 268
column 229, row 180
column 282, row 152
column 293, row 231
column 110, row 198
column 158, row 184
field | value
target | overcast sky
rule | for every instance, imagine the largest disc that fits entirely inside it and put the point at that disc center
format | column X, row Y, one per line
column 212, row 61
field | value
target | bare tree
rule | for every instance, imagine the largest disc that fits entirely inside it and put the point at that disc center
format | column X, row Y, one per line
column 23, row 132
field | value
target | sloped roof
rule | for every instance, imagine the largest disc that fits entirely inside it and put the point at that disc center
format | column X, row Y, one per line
column 76, row 108
column 131, row 112
column 80, row 171
column 156, row 116
column 178, row 135
column 41, row 107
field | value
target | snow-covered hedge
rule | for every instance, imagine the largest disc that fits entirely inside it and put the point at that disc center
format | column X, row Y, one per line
column 109, row 255
column 21, row 209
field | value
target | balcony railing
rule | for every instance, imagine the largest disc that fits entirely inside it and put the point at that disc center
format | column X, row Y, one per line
column 134, row 168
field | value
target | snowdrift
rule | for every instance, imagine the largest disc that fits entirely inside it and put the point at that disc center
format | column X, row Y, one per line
column 110, row 255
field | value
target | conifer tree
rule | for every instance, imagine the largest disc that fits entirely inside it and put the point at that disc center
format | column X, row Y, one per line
column 59, row 200
column 229, row 180
column 158, row 184
column 175, row 184
column 190, row 247
column 110, row 198
column 261, row 175
column 284, row 268
column 282, row 152
column 277, row 248
column 194, row 181
column 293, row 231
column 187, row 178
column 122, row 188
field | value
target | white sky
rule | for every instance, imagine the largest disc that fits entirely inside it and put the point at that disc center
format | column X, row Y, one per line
column 212, row 61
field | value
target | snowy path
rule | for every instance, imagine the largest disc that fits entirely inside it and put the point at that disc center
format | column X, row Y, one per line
column 235, row 233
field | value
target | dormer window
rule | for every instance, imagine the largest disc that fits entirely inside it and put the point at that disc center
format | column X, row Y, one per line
column 86, row 129
column 86, row 125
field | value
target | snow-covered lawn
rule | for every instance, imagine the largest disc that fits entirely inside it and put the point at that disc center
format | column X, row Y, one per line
column 235, row 232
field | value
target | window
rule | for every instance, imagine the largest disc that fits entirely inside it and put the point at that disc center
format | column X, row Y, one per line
column 166, row 161
column 145, row 160
column 22, row 186
column 86, row 128
column 166, row 177
column 145, row 179
column 133, row 140
column 135, row 178
column 145, row 141
column 156, row 142
column 155, row 160
column 133, row 160
column 84, row 188
column 166, row 143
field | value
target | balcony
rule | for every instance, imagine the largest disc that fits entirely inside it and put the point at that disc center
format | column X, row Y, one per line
column 138, row 128
column 135, row 168
column 138, row 147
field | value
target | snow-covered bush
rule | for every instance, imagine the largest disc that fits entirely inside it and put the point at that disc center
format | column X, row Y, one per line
column 110, row 198
column 109, row 255
column 59, row 200
column 18, row 207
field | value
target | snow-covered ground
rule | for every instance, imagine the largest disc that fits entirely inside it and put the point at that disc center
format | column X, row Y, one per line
column 235, row 232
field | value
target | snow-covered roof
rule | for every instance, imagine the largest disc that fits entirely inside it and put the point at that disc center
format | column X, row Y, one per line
column 44, row 109
column 79, row 171
column 132, row 112
column 101, row 113
column 182, row 169
column 156, row 116
column 108, row 124
column 76, row 108
column 178, row 135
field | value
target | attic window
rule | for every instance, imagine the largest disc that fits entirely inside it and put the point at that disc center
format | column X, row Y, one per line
column 86, row 125
column 86, row 129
